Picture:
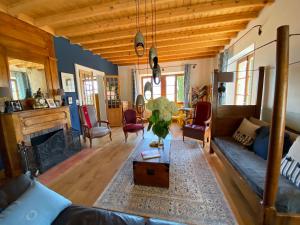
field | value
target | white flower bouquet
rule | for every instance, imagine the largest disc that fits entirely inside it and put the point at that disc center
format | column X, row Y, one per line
column 161, row 118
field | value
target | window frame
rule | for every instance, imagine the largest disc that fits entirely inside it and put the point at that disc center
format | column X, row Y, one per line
column 163, row 85
column 247, row 78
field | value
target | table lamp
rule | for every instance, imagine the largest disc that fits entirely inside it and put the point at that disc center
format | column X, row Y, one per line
column 4, row 96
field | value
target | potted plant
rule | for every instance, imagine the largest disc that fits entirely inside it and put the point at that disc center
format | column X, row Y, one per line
column 161, row 118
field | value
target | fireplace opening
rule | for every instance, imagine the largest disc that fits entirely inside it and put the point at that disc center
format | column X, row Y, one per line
column 49, row 149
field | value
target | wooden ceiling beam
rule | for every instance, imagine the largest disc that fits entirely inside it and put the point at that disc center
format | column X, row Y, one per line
column 168, row 40
column 23, row 6
column 105, row 10
column 170, row 59
column 183, row 45
column 197, row 49
column 168, row 55
column 173, row 27
column 163, row 16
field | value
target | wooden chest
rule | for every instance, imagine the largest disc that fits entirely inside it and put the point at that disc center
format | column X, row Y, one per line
column 152, row 172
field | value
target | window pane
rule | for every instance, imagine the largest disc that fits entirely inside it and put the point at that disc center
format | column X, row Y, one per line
column 240, row 100
column 156, row 90
column 170, row 87
column 242, row 67
column 180, row 88
column 240, row 87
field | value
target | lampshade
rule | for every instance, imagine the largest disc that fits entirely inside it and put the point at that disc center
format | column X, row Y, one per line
column 148, row 90
column 60, row 92
column 140, row 104
column 156, row 72
column 152, row 55
column 139, row 44
column 4, row 92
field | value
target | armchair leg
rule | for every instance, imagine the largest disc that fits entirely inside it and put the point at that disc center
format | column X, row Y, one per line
column 182, row 138
column 143, row 133
column 126, row 136
column 91, row 142
column 110, row 136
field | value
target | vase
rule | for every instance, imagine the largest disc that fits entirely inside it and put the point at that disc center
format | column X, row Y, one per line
column 160, row 144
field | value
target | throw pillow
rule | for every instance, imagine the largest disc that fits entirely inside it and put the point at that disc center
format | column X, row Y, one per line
column 261, row 143
column 12, row 190
column 38, row 205
column 290, row 165
column 245, row 134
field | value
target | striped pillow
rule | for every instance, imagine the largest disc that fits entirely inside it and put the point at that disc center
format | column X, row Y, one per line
column 290, row 169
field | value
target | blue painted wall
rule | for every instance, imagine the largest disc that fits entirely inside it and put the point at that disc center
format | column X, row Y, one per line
column 67, row 55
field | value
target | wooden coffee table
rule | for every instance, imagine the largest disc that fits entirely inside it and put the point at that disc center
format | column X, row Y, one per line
column 152, row 172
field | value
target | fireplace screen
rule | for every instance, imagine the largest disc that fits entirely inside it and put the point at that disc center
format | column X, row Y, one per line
column 49, row 149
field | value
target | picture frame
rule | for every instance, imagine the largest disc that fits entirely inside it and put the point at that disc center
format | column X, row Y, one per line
column 68, row 82
column 16, row 105
column 50, row 103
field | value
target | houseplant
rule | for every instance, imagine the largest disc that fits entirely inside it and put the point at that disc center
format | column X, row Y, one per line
column 161, row 118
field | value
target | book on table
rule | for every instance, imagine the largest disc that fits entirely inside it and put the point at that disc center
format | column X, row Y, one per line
column 150, row 154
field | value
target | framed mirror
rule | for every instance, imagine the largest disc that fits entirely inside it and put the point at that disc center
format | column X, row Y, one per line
column 26, row 79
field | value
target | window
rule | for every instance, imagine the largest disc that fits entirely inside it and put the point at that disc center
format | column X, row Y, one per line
column 14, row 89
column 89, row 86
column 244, row 78
column 171, row 86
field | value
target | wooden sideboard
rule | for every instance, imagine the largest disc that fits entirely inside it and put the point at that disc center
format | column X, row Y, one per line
column 19, row 126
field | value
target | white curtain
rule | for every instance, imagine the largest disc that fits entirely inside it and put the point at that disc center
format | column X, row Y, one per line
column 134, row 85
column 187, row 84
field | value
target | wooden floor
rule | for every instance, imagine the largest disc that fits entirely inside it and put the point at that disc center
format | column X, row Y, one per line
column 84, row 182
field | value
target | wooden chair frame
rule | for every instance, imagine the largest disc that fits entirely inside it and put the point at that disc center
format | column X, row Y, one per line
column 226, row 119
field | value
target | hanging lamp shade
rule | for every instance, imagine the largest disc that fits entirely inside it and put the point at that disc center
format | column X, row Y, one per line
column 156, row 73
column 139, row 44
column 148, row 90
column 140, row 104
column 153, row 59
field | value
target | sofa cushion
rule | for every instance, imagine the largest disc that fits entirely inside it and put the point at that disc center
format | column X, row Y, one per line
column 246, row 132
column 261, row 142
column 38, row 205
column 253, row 169
column 13, row 190
column 153, row 221
column 79, row 215
column 290, row 165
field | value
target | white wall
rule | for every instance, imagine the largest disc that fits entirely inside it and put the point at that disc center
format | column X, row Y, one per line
column 200, row 75
column 282, row 12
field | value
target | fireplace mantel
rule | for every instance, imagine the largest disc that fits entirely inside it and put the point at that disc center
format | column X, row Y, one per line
column 18, row 126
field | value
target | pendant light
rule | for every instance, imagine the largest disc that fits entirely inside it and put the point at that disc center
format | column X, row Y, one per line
column 148, row 90
column 156, row 73
column 139, row 41
column 152, row 56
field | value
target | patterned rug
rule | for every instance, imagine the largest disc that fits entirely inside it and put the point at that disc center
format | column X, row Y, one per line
column 193, row 197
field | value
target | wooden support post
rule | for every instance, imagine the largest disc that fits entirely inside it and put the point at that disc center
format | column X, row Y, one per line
column 260, row 87
column 278, row 125
column 214, row 100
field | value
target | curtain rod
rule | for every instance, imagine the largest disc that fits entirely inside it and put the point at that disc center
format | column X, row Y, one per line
column 163, row 67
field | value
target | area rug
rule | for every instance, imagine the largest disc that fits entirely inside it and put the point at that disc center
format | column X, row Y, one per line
column 194, row 196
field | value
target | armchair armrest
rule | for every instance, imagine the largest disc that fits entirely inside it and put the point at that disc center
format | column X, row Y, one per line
column 140, row 119
column 207, row 122
column 104, row 121
column 187, row 119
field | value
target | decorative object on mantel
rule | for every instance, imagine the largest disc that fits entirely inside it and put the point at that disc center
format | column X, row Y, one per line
column 68, row 83
column 59, row 97
column 161, row 118
column 148, row 90
column 40, row 101
column 4, row 96
column 16, row 106
column 51, row 103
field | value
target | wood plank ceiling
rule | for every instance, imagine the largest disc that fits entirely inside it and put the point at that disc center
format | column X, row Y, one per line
column 186, row 29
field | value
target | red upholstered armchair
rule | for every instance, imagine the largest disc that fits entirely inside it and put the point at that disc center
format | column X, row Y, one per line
column 199, row 126
column 132, row 123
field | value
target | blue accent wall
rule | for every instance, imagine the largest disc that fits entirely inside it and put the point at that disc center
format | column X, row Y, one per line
column 68, row 55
